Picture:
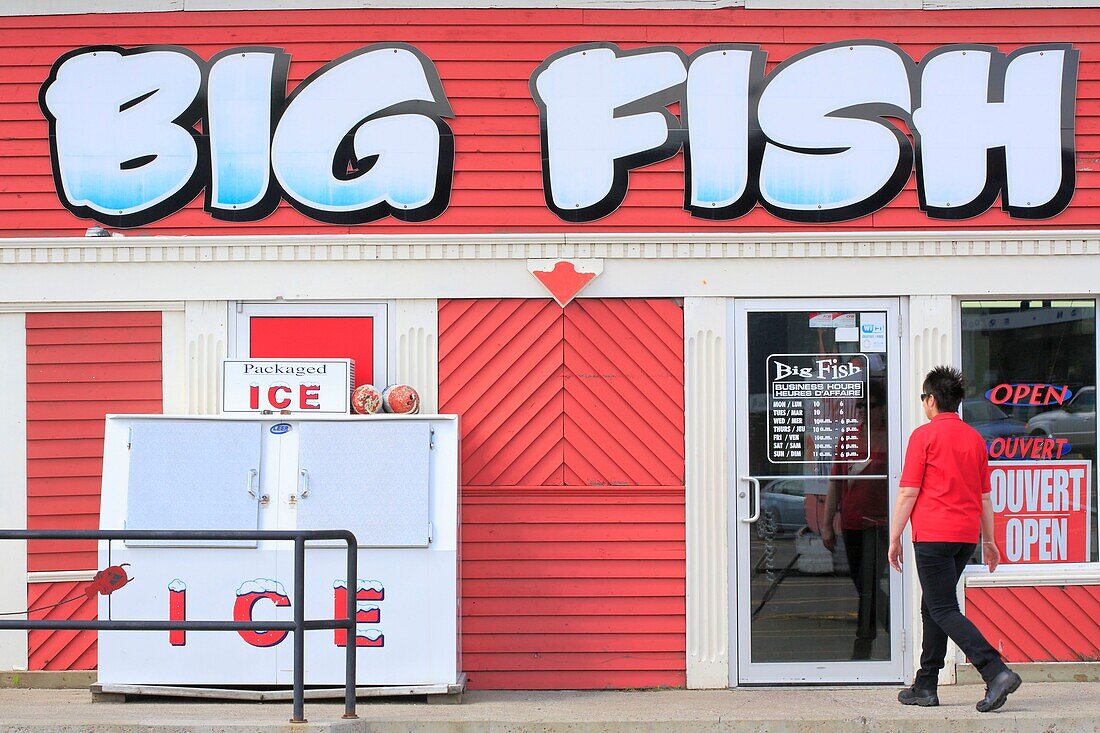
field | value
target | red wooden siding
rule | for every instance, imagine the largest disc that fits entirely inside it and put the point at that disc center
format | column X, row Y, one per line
column 574, row 579
column 573, row 588
column 80, row 366
column 1039, row 624
column 61, row 650
column 485, row 59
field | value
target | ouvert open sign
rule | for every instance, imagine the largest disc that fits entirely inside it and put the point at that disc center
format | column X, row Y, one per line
column 819, row 139
column 1042, row 510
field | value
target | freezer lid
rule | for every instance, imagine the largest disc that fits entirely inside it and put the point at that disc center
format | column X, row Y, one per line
column 371, row 477
column 193, row 475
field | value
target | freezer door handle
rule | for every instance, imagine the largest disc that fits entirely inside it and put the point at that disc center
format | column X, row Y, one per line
column 253, row 474
column 303, row 483
column 755, row 483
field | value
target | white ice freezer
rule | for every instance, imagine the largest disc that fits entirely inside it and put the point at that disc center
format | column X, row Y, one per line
column 392, row 480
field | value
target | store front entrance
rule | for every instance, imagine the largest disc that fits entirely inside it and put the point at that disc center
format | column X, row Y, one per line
column 817, row 436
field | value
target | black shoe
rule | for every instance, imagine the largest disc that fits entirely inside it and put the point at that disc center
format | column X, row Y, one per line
column 998, row 690
column 919, row 696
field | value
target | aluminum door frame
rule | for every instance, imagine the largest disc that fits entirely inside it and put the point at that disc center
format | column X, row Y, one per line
column 742, row 671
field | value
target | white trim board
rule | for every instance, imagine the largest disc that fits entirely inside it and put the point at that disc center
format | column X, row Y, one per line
column 60, row 576
column 689, row 245
column 767, row 274
column 95, row 306
column 976, row 576
column 13, row 483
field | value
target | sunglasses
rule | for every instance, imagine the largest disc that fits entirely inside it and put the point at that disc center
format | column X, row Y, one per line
column 924, row 396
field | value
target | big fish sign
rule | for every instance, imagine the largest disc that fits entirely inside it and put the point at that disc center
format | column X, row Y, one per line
column 831, row 134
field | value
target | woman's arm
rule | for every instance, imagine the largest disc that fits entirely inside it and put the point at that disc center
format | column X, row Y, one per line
column 991, row 554
column 903, row 507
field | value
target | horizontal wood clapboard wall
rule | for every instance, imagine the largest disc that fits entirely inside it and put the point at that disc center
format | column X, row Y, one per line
column 485, row 58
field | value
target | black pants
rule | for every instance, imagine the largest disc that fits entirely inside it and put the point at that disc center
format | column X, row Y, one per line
column 866, row 551
column 939, row 567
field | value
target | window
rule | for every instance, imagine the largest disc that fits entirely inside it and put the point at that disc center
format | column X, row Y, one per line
column 1031, row 393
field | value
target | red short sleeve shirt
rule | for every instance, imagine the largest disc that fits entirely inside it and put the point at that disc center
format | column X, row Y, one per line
column 947, row 459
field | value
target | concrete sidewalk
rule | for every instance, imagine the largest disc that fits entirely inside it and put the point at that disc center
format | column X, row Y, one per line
column 1059, row 707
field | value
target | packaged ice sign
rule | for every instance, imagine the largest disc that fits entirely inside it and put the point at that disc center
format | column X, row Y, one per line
column 812, row 140
column 278, row 385
column 1042, row 510
column 136, row 134
column 361, row 138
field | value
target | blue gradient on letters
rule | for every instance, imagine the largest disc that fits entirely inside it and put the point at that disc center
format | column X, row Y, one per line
column 239, row 104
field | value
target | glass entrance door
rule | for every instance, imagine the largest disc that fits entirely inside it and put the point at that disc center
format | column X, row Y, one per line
column 817, row 459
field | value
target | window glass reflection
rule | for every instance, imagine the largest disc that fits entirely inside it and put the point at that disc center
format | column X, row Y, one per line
column 819, row 441
column 1031, row 393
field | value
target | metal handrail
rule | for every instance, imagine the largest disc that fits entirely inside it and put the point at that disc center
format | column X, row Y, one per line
column 298, row 625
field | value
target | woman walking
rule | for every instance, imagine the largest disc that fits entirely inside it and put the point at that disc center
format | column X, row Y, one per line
column 944, row 492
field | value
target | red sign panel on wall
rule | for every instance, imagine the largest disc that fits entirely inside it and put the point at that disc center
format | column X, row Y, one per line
column 1041, row 510
column 316, row 337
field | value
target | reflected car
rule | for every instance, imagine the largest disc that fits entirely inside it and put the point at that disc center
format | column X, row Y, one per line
column 990, row 420
column 782, row 505
column 1075, row 421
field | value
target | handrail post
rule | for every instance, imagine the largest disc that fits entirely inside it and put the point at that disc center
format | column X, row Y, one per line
column 352, row 640
column 298, row 715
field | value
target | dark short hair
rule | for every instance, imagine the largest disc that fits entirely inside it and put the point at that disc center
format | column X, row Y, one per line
column 946, row 384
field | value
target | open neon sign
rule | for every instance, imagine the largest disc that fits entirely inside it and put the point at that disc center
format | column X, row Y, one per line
column 1016, row 395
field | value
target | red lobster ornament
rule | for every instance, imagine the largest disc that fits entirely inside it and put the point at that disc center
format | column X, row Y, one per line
column 108, row 581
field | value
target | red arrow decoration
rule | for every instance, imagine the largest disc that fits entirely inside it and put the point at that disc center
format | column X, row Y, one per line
column 564, row 281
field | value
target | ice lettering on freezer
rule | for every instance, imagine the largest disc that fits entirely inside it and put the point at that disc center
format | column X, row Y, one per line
column 122, row 141
column 830, row 155
column 364, row 137
column 990, row 124
column 602, row 113
column 249, row 594
column 244, row 91
column 723, row 145
column 365, row 615
column 177, row 611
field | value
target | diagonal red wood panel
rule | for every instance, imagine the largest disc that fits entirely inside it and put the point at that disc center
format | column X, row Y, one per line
column 581, row 585
column 61, row 650
column 624, row 392
column 1039, row 624
column 500, row 368
column 80, row 366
